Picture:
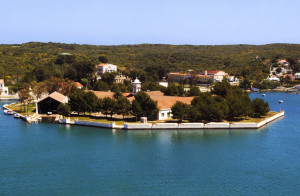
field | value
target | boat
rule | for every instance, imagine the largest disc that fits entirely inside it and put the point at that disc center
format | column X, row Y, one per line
column 8, row 112
column 263, row 95
column 280, row 101
column 255, row 90
column 16, row 115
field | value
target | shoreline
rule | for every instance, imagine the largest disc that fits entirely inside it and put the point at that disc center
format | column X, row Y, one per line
column 175, row 126
column 164, row 126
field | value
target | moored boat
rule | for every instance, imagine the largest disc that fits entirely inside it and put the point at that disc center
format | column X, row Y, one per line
column 8, row 112
column 16, row 115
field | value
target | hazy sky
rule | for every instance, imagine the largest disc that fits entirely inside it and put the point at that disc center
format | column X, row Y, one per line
column 114, row 22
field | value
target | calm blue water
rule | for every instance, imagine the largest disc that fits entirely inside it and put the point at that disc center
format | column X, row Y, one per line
column 48, row 159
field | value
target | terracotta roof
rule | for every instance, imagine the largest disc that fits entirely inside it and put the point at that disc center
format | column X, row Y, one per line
column 178, row 74
column 282, row 61
column 78, row 84
column 1, row 81
column 166, row 102
column 163, row 102
column 57, row 96
column 102, row 64
column 203, row 76
column 103, row 94
column 210, row 72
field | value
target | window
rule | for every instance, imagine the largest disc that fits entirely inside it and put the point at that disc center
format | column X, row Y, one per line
column 162, row 115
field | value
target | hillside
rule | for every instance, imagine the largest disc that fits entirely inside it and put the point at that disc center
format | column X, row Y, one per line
column 17, row 60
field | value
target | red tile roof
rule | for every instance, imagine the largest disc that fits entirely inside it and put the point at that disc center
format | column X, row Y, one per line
column 102, row 64
column 78, row 84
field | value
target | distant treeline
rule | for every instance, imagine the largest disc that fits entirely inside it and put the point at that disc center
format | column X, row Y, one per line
column 36, row 61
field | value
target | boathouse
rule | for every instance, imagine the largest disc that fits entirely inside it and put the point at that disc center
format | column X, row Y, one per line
column 50, row 103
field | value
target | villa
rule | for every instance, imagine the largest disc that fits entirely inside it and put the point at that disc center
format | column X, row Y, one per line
column 105, row 67
column 3, row 89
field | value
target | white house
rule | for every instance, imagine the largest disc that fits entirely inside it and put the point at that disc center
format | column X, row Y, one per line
column 274, row 79
column 297, row 75
column 105, row 67
column 3, row 89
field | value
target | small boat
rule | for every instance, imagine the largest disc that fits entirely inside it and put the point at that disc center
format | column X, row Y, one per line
column 8, row 112
column 263, row 95
column 255, row 90
column 16, row 115
column 280, row 101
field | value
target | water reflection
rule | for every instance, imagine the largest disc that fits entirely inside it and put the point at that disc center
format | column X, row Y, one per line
column 168, row 136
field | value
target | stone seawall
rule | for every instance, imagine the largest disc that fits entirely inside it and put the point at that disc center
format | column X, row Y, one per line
column 160, row 126
column 212, row 125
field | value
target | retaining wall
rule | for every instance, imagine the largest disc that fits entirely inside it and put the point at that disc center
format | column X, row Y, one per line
column 212, row 125
column 94, row 124
column 191, row 126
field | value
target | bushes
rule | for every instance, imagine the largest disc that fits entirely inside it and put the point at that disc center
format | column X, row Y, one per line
column 260, row 107
column 231, row 103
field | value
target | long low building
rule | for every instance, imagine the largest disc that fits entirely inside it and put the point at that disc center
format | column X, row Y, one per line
column 164, row 103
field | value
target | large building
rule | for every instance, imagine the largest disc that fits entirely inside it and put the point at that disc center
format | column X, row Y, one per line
column 105, row 67
column 217, row 76
column 3, row 89
column 164, row 103
column 49, row 104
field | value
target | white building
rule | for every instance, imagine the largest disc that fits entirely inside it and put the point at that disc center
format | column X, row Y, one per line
column 3, row 89
column 137, row 86
column 218, row 76
column 297, row 75
column 274, row 79
column 105, row 67
column 165, row 84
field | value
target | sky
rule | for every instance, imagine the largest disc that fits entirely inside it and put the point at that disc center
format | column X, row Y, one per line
column 116, row 22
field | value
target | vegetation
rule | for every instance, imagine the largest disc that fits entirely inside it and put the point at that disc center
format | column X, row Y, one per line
column 226, row 102
column 35, row 61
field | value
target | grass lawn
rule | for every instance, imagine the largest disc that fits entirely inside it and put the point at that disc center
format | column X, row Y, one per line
column 256, row 120
column 19, row 108
column 89, row 119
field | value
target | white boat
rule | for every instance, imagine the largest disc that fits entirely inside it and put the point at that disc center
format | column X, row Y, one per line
column 8, row 112
column 280, row 101
column 16, row 115
column 263, row 95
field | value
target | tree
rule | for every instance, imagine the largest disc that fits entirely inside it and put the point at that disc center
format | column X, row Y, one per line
column 174, row 90
column 194, row 91
column 77, row 101
column 180, row 111
column 109, row 106
column 99, row 105
column 100, row 86
column 85, row 68
column 136, row 109
column 221, row 88
column 260, row 107
column 24, row 96
column 84, row 82
column 149, row 106
column 103, row 59
column 208, row 108
column 64, row 109
column 239, row 103
column 90, row 102
column 123, row 106
column 108, row 78
column 245, row 84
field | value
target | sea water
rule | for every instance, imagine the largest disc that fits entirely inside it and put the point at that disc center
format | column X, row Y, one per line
column 52, row 159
